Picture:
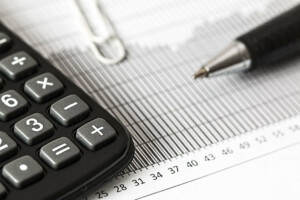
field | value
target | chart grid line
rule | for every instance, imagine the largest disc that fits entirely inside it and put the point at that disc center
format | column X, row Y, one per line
column 152, row 92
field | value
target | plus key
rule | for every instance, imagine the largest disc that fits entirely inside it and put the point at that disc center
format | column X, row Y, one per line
column 95, row 134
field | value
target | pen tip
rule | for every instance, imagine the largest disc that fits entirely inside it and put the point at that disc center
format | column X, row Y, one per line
column 201, row 73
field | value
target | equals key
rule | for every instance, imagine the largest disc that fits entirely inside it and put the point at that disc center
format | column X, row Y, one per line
column 59, row 153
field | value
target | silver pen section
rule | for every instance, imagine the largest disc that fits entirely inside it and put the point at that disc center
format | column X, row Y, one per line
column 235, row 57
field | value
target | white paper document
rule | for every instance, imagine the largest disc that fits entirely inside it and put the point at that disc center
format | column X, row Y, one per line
column 235, row 136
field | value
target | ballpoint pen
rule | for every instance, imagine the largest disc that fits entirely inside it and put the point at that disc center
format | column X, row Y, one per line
column 274, row 40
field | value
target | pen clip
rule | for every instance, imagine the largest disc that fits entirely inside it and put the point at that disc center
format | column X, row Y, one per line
column 96, row 40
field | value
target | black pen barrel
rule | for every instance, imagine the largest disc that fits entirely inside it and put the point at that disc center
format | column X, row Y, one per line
column 274, row 40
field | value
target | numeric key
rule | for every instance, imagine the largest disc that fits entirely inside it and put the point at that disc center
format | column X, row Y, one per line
column 12, row 104
column 8, row 147
column 33, row 129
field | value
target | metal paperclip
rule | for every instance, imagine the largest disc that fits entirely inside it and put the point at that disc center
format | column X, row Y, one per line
column 95, row 40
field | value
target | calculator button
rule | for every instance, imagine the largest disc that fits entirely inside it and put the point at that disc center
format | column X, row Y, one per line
column 8, row 147
column 59, row 153
column 5, row 42
column 2, row 191
column 22, row 171
column 43, row 87
column 33, row 129
column 12, row 104
column 69, row 110
column 95, row 134
column 18, row 65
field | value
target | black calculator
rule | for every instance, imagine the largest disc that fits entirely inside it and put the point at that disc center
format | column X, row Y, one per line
column 55, row 141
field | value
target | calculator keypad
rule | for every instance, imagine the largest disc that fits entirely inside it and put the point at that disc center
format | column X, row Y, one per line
column 43, row 87
column 22, row 171
column 33, row 129
column 18, row 65
column 8, row 147
column 60, row 153
column 95, row 134
column 48, row 134
column 12, row 104
column 69, row 110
